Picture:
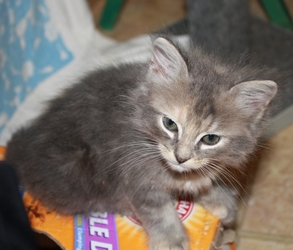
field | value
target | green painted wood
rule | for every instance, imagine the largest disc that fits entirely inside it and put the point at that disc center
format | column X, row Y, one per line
column 278, row 13
column 110, row 14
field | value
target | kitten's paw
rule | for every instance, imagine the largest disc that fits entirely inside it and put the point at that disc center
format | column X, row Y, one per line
column 221, row 202
column 169, row 245
column 222, row 212
column 175, row 241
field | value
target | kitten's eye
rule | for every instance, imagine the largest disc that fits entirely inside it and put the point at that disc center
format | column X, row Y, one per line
column 210, row 139
column 170, row 125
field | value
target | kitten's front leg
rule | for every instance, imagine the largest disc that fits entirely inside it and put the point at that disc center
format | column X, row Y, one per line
column 161, row 222
column 221, row 201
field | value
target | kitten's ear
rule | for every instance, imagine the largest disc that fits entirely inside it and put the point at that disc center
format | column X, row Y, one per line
column 253, row 97
column 166, row 62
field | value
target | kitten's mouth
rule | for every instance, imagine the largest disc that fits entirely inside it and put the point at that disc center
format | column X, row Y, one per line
column 178, row 167
column 183, row 167
column 172, row 164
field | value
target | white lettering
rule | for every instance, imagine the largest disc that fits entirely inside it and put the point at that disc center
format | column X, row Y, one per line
column 79, row 239
column 181, row 210
column 101, row 215
column 96, row 244
column 184, row 204
column 183, row 207
column 102, row 232
column 98, row 220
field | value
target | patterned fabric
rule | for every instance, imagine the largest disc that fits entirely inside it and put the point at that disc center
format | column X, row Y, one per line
column 31, row 49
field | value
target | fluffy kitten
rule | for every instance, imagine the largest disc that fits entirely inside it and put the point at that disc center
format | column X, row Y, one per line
column 128, row 139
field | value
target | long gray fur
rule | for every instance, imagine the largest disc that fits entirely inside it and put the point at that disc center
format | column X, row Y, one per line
column 102, row 146
column 228, row 30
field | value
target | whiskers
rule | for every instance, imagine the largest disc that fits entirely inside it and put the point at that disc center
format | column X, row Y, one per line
column 141, row 152
column 224, row 178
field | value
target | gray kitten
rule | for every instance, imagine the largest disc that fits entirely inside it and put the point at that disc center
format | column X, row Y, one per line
column 129, row 139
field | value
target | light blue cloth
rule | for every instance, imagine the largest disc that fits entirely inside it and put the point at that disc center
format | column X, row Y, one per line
column 31, row 49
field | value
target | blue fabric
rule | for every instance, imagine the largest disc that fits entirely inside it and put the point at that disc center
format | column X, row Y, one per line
column 31, row 50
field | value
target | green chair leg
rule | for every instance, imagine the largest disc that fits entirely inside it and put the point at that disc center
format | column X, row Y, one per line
column 278, row 13
column 110, row 14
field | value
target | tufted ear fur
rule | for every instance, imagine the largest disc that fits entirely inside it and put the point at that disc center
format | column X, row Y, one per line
column 253, row 97
column 166, row 63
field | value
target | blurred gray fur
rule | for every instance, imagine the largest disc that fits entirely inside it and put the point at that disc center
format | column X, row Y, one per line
column 226, row 28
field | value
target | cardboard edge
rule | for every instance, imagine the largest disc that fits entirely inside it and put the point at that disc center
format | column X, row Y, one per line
column 50, row 237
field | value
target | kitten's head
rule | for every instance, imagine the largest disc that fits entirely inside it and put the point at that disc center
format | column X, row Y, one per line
column 200, row 113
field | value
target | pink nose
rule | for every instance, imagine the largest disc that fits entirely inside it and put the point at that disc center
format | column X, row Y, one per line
column 181, row 160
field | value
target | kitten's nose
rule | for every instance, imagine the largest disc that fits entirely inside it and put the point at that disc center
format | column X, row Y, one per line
column 181, row 159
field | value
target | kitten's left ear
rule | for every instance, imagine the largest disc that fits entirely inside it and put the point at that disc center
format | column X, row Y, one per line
column 166, row 62
column 253, row 97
